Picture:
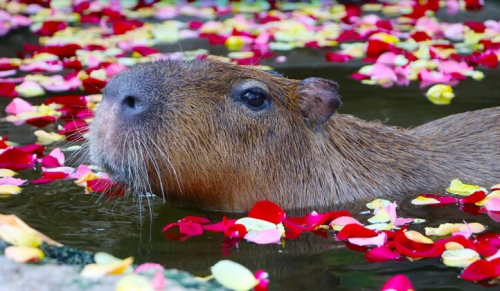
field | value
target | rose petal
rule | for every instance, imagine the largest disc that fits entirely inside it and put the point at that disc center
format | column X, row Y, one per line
column 268, row 211
column 266, row 236
column 23, row 254
column 398, row 283
column 382, row 254
column 233, row 275
column 378, row 240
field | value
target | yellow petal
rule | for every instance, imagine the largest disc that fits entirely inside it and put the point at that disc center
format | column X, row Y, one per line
column 19, row 237
column 7, row 173
column 459, row 258
column 453, row 246
column 421, row 200
column 378, row 203
column 100, row 270
column 381, row 216
column 234, row 43
column 9, row 189
column 14, row 221
column 418, row 237
column 255, row 224
column 459, row 188
column 440, row 94
column 443, row 229
column 475, row 227
column 23, row 254
column 46, row 138
column 134, row 282
column 233, row 275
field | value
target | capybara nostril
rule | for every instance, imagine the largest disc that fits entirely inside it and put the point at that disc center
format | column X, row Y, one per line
column 131, row 102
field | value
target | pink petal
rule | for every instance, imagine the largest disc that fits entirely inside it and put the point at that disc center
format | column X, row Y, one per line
column 58, row 154
column 378, row 240
column 12, row 181
column 267, row 236
column 387, row 58
column 158, row 282
column 81, row 170
column 345, row 220
column 381, row 71
column 18, row 105
column 147, row 267
column 493, row 204
column 398, row 283
column 402, row 221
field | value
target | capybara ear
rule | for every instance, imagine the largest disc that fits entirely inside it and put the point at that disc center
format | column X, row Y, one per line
column 318, row 99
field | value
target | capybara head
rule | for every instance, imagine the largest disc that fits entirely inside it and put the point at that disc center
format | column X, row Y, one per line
column 207, row 133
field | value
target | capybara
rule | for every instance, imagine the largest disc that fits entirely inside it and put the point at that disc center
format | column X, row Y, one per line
column 214, row 135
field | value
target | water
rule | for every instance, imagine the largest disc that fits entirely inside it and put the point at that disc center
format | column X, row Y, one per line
column 62, row 211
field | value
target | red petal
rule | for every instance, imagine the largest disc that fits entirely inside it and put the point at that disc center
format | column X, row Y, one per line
column 492, row 239
column 55, row 175
column 474, row 5
column 415, row 249
column 268, row 211
column 41, row 121
column 33, row 149
column 477, row 27
column 336, row 214
column 93, row 86
column 235, row 231
column 377, row 47
column 443, row 200
column 349, row 35
column 355, row 230
column 74, row 130
column 489, row 59
column 292, row 233
column 8, row 89
column 144, row 50
column 335, row 57
column 398, row 283
column 420, row 36
column 196, row 219
column 50, row 27
column 359, row 77
column 306, row 223
column 16, row 159
column 382, row 254
column 42, row 180
column 50, row 161
column 481, row 270
column 122, row 26
column 63, row 51
column 473, row 198
column 189, row 228
column 216, row 227
column 485, row 249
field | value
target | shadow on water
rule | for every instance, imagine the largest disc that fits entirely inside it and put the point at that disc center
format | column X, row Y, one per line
column 62, row 211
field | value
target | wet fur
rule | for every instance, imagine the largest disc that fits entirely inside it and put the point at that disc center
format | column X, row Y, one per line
column 201, row 148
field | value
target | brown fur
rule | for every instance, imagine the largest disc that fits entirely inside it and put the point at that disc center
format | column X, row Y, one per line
column 196, row 145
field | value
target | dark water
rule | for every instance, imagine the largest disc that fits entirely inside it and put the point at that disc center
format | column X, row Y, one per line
column 124, row 228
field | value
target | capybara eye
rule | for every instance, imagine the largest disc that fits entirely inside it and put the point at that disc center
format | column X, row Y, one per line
column 255, row 98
